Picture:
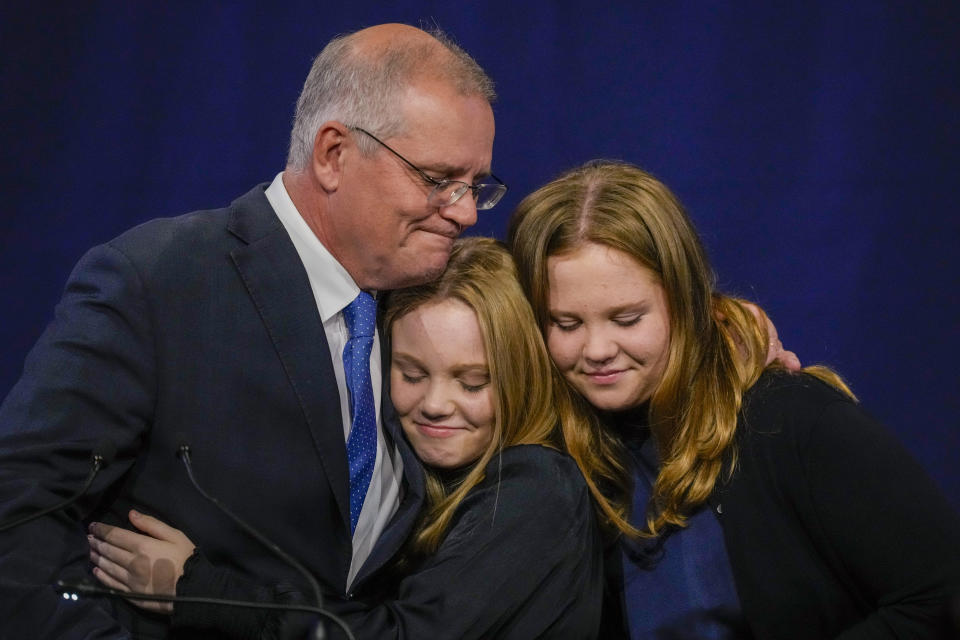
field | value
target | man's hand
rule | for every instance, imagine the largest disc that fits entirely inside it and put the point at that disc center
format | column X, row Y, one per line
column 775, row 350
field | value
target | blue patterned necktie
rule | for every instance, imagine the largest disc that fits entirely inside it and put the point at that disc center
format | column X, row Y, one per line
column 361, row 318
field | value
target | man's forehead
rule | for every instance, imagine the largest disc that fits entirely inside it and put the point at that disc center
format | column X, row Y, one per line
column 450, row 137
column 439, row 99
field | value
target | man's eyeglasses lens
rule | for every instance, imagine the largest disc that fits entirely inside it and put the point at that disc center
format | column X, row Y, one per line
column 447, row 192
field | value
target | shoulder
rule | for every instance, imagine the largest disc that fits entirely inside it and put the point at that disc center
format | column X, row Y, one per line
column 800, row 413
column 536, row 463
column 176, row 237
column 786, row 401
column 532, row 501
column 534, row 478
column 173, row 250
column 777, row 386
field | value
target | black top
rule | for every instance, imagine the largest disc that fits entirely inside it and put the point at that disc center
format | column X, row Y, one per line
column 522, row 559
column 832, row 529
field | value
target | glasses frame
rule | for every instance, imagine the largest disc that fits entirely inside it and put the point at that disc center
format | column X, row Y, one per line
column 440, row 185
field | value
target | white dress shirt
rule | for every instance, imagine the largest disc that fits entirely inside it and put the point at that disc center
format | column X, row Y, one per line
column 333, row 289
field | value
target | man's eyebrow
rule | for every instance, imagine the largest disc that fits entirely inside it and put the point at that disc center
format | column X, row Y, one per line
column 445, row 169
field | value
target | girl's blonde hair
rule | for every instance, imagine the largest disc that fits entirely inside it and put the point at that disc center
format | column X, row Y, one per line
column 530, row 401
column 717, row 346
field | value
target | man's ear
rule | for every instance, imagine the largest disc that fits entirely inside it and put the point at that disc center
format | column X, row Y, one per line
column 328, row 147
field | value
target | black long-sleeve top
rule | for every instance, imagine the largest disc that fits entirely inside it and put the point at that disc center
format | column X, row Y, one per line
column 832, row 529
column 522, row 559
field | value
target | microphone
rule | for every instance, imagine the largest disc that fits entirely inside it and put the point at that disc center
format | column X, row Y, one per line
column 183, row 452
column 102, row 454
column 74, row 590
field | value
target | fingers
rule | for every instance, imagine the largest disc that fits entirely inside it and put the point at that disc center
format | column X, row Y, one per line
column 765, row 320
column 140, row 555
column 155, row 528
column 790, row 360
column 118, row 537
column 109, row 572
column 113, row 553
column 754, row 309
column 774, row 349
column 128, row 561
column 109, row 580
column 774, row 346
column 134, row 572
column 131, row 568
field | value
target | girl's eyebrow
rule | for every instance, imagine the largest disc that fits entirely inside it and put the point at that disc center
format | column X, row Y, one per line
column 472, row 368
column 633, row 307
column 406, row 358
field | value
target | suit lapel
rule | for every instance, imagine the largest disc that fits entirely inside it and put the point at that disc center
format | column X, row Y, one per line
column 277, row 282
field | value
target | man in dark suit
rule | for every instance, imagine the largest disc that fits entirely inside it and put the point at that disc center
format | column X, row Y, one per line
column 225, row 329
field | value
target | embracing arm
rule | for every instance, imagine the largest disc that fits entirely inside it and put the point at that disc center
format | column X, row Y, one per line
column 724, row 305
column 89, row 377
column 775, row 351
column 892, row 530
column 162, row 560
column 522, row 559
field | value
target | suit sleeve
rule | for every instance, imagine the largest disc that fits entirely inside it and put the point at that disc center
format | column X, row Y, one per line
column 893, row 532
column 91, row 376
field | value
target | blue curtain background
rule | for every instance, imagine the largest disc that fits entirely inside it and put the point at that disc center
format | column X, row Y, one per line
column 816, row 145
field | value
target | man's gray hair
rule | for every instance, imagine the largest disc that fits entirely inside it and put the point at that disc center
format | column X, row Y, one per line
column 364, row 90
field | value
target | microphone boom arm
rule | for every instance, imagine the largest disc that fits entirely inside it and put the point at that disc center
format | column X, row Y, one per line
column 183, row 452
column 95, row 469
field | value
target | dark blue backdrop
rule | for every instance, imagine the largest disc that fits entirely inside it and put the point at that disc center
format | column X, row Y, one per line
column 816, row 145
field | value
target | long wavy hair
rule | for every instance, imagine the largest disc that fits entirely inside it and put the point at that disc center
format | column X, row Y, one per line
column 530, row 401
column 717, row 350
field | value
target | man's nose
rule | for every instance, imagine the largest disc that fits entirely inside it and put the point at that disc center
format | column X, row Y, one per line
column 463, row 212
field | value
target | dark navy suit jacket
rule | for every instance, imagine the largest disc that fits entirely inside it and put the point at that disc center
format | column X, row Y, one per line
column 199, row 329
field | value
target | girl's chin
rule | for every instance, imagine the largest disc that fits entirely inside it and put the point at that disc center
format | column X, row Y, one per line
column 613, row 399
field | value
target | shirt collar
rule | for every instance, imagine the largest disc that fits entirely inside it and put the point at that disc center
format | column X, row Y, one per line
column 332, row 286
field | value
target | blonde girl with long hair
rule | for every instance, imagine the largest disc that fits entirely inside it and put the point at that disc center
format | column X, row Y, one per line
column 750, row 501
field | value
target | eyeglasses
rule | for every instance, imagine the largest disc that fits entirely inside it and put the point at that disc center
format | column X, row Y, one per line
column 447, row 192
